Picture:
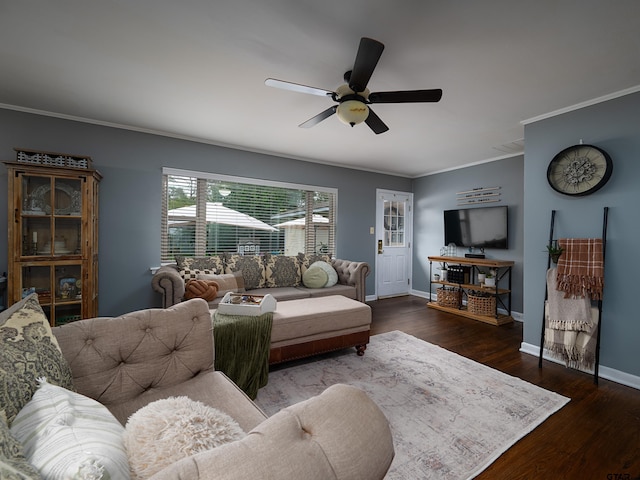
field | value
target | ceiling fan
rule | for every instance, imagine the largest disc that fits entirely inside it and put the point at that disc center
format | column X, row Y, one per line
column 353, row 97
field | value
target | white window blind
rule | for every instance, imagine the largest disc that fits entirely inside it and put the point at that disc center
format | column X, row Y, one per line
column 204, row 214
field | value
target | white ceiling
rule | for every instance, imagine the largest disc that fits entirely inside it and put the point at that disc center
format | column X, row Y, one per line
column 196, row 69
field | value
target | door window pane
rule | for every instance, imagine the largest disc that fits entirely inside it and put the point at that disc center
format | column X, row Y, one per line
column 394, row 225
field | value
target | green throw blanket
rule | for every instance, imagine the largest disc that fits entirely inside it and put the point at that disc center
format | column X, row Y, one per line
column 242, row 349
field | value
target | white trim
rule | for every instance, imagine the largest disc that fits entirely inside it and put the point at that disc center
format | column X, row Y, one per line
column 249, row 180
column 578, row 106
column 419, row 293
column 189, row 138
column 608, row 373
column 472, row 164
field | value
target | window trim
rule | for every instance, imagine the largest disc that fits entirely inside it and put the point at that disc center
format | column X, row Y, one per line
column 248, row 180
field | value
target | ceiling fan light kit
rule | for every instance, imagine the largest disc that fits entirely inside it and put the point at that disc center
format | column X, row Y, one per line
column 352, row 112
column 354, row 98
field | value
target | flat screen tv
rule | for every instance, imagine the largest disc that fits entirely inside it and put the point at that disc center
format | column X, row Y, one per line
column 482, row 227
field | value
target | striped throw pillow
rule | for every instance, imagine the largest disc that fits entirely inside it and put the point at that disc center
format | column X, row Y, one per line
column 67, row 435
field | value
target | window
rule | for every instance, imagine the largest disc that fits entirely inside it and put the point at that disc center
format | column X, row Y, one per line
column 207, row 214
column 394, row 223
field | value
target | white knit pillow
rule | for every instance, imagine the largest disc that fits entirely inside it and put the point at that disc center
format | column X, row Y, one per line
column 331, row 272
column 173, row 428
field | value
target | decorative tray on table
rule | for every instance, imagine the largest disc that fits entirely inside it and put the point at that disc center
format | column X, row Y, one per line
column 246, row 304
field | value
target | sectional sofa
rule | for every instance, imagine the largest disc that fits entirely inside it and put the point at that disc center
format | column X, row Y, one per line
column 278, row 275
column 123, row 364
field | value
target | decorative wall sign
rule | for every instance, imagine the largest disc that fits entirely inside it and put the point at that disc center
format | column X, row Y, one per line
column 479, row 195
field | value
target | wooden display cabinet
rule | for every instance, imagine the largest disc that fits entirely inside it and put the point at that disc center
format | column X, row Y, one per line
column 502, row 295
column 53, row 233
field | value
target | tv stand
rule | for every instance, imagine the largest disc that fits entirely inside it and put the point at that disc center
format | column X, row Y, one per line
column 503, row 274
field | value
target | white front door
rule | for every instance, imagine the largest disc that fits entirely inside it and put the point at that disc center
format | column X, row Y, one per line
column 393, row 243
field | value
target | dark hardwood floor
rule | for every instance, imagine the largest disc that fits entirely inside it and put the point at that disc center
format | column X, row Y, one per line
column 595, row 436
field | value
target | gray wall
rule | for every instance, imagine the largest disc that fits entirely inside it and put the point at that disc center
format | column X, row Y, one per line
column 130, row 195
column 614, row 126
column 433, row 194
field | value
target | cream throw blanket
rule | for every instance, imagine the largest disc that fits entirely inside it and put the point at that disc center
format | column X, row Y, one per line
column 567, row 313
column 576, row 349
column 571, row 327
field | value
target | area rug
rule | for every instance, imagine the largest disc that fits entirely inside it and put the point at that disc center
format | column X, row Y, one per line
column 450, row 417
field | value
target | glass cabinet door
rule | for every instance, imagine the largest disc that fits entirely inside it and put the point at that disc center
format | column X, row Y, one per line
column 59, row 289
column 36, row 223
column 51, row 233
column 51, row 216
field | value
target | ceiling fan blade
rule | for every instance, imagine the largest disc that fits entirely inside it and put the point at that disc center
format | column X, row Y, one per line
column 375, row 123
column 367, row 58
column 296, row 87
column 318, row 118
column 406, row 96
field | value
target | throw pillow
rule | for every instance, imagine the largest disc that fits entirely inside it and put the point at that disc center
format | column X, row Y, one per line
column 193, row 274
column 306, row 260
column 173, row 428
column 282, row 271
column 331, row 272
column 251, row 267
column 206, row 289
column 229, row 282
column 13, row 464
column 212, row 264
column 67, row 435
column 29, row 350
column 315, row 277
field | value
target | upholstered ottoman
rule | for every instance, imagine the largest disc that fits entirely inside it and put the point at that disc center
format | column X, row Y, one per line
column 315, row 325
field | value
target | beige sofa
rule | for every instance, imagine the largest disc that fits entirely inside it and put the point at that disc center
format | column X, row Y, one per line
column 278, row 275
column 128, row 361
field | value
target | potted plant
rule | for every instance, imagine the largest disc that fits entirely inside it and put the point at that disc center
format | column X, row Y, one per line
column 443, row 272
column 554, row 251
column 482, row 275
column 490, row 279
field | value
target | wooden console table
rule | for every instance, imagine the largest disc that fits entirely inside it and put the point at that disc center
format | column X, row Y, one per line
column 503, row 274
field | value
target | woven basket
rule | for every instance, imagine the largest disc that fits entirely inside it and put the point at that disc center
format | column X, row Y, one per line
column 449, row 297
column 485, row 305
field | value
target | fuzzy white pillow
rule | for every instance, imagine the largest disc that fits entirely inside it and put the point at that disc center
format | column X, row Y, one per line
column 173, row 428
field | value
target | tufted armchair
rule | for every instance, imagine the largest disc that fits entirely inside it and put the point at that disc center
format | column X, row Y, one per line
column 129, row 361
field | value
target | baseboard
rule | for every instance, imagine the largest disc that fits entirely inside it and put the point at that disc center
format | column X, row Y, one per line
column 605, row 372
column 420, row 293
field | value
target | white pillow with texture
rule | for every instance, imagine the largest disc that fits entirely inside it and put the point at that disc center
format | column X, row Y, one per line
column 66, row 435
column 173, row 428
column 331, row 272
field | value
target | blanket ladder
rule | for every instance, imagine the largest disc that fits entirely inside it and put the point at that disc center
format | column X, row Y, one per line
column 546, row 295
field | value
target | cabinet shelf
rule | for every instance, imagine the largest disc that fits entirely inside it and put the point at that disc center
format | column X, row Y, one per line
column 473, row 286
column 503, row 273
column 501, row 319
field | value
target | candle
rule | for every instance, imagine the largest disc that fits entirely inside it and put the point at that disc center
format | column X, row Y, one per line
column 35, row 237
